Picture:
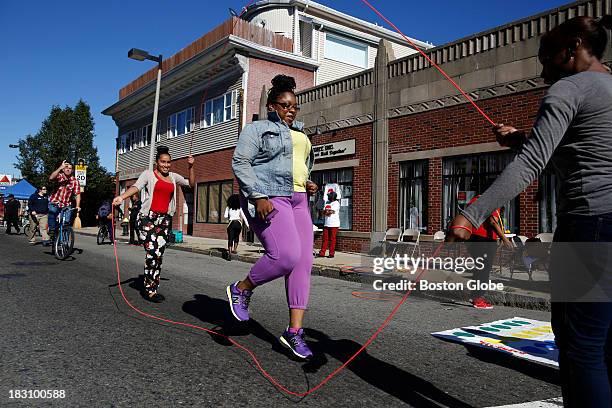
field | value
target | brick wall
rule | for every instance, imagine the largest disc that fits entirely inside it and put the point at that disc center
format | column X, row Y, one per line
column 459, row 126
column 362, row 180
column 261, row 73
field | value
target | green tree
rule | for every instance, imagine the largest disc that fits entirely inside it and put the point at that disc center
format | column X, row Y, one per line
column 67, row 134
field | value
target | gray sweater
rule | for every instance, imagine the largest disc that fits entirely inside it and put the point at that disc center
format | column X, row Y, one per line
column 574, row 131
column 147, row 182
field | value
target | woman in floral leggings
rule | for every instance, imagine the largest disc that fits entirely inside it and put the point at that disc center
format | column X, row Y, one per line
column 158, row 207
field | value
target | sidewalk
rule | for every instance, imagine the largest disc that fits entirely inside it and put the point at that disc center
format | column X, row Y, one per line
column 518, row 292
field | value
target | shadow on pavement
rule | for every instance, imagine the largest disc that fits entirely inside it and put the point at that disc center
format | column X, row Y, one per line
column 384, row 376
column 216, row 312
column 136, row 284
column 394, row 381
column 536, row 371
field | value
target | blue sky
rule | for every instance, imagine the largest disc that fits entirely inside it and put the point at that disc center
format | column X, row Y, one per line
column 55, row 52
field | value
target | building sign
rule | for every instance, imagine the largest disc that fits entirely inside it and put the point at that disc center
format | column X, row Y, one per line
column 80, row 173
column 6, row 180
column 336, row 149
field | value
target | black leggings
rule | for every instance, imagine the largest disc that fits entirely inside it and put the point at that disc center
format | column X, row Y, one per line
column 234, row 229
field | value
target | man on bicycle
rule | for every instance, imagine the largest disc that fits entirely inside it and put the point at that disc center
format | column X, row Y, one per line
column 68, row 187
column 105, row 217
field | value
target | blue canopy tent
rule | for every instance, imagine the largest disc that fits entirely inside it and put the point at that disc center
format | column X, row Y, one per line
column 22, row 190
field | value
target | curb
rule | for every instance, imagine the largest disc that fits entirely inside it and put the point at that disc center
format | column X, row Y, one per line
column 497, row 298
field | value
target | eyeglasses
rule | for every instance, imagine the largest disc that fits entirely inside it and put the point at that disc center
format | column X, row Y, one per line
column 287, row 106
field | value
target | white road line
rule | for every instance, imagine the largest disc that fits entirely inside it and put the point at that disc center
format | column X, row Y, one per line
column 549, row 403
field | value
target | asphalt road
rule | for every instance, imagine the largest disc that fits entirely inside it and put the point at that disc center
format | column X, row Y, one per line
column 64, row 326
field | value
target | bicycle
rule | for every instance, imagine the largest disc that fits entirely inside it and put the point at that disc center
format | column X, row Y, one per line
column 27, row 228
column 103, row 233
column 24, row 223
column 63, row 244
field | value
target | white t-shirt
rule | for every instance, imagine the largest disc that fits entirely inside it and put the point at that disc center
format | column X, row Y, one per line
column 332, row 220
column 233, row 215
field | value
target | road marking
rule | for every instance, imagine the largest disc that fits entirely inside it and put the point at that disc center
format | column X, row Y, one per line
column 549, row 403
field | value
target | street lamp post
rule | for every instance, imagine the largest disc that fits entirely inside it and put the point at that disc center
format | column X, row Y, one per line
column 140, row 55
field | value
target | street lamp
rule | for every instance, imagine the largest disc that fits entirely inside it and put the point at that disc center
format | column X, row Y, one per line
column 14, row 146
column 141, row 55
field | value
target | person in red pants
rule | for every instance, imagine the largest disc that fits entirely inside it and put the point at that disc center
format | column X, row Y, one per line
column 332, row 223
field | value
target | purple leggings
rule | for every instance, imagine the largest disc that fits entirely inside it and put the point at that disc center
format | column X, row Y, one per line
column 288, row 241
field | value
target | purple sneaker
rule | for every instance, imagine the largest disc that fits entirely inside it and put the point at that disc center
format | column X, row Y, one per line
column 296, row 343
column 239, row 301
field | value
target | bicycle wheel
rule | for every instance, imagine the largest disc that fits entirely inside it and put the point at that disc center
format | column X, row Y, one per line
column 102, row 234
column 64, row 243
column 26, row 229
column 59, row 249
column 69, row 239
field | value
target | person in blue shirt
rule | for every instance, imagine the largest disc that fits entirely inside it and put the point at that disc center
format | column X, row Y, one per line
column 38, row 210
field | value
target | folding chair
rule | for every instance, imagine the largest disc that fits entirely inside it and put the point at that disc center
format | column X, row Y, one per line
column 410, row 238
column 391, row 238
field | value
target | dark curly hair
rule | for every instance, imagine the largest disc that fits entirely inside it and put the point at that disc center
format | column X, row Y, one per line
column 162, row 150
column 280, row 83
column 233, row 201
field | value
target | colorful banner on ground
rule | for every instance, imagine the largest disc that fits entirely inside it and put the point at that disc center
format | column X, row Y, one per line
column 522, row 338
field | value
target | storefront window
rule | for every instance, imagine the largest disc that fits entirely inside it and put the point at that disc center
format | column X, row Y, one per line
column 212, row 199
column 548, row 201
column 344, row 179
column 413, row 195
column 464, row 177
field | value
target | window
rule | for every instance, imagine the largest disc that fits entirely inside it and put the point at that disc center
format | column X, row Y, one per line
column 212, row 200
column 122, row 143
column 342, row 177
column 145, row 135
column 467, row 176
column 181, row 122
column 220, row 109
column 306, row 38
column 132, row 140
column 345, row 50
column 158, row 131
column 547, row 195
column 413, row 195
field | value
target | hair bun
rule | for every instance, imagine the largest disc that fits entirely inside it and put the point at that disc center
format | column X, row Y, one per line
column 163, row 150
column 606, row 21
column 283, row 83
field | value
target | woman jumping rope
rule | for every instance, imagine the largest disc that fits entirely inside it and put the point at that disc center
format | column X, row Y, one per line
column 272, row 163
column 158, row 207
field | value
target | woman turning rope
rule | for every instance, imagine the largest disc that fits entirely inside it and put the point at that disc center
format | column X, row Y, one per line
column 272, row 163
column 573, row 131
column 158, row 207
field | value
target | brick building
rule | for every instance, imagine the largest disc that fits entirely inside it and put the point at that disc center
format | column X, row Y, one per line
column 404, row 146
column 421, row 150
column 214, row 86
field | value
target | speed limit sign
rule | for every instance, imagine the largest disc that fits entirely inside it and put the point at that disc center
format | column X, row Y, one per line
column 80, row 173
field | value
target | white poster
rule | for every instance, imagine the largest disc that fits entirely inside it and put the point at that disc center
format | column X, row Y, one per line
column 522, row 338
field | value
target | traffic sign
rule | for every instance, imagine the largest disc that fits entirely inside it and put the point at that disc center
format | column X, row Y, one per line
column 80, row 172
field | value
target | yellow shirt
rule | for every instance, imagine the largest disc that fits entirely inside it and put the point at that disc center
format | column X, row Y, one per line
column 301, row 152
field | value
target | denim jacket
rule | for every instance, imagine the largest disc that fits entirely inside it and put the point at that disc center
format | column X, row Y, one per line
column 263, row 159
